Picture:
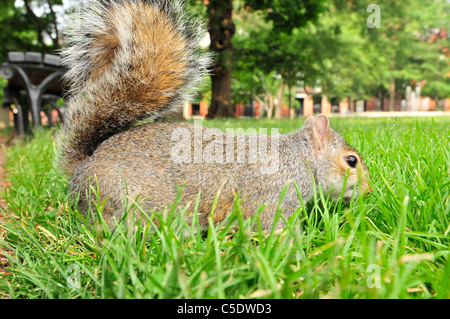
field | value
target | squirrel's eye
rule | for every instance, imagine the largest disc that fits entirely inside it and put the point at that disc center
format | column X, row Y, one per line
column 352, row 161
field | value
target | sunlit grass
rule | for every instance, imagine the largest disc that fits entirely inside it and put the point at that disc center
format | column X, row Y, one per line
column 393, row 243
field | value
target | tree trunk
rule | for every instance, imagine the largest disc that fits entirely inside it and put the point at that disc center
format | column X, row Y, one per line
column 41, row 27
column 267, row 104
column 392, row 95
column 289, row 97
column 439, row 105
column 221, row 30
column 351, row 105
column 268, row 98
column 279, row 104
column 380, row 100
column 270, row 104
column 56, row 39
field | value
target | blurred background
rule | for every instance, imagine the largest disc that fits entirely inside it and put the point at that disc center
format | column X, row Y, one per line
column 288, row 58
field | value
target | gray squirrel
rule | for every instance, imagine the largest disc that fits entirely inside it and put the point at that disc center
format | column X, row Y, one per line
column 130, row 61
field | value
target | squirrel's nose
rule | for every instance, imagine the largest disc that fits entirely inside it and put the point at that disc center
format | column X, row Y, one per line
column 367, row 188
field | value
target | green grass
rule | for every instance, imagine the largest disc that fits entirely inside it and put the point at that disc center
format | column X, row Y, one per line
column 393, row 243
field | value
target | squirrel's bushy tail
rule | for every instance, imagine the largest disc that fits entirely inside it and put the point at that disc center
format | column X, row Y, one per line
column 127, row 61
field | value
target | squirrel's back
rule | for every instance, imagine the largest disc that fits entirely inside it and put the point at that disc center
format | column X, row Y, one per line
column 134, row 60
column 127, row 61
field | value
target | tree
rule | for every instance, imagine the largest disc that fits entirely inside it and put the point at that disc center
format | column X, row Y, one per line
column 17, row 31
column 46, row 24
column 221, row 30
column 279, row 58
column 284, row 15
column 400, row 51
column 24, row 30
column 356, row 61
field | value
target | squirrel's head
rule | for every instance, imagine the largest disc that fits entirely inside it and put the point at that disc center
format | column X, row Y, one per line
column 333, row 159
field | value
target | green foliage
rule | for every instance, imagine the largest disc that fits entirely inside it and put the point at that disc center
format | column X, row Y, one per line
column 405, row 48
column 314, row 43
column 287, row 14
column 3, row 83
column 17, row 31
column 339, row 53
column 24, row 30
column 392, row 243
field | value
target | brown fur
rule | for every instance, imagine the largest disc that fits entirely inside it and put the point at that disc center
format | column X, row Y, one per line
column 137, row 68
column 139, row 64
column 142, row 157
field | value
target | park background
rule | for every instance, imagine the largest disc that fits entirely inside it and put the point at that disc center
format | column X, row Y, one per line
column 288, row 58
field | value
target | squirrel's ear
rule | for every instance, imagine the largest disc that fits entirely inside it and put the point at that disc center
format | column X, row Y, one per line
column 309, row 120
column 320, row 132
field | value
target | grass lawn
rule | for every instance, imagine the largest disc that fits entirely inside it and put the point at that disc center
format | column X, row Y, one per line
column 392, row 243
